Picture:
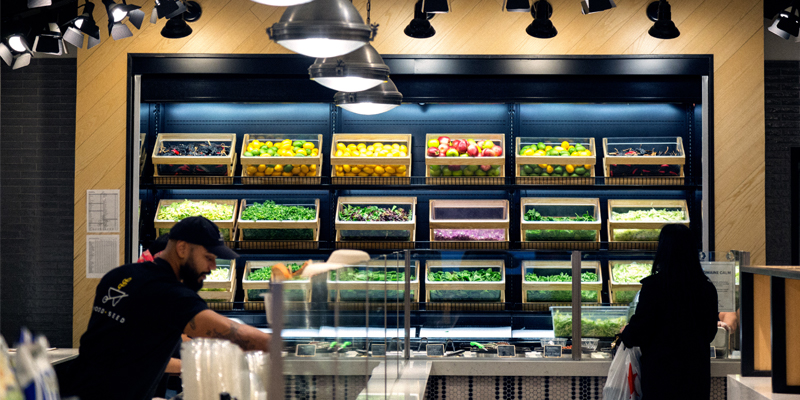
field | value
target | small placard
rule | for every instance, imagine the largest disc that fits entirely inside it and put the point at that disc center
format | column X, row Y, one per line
column 435, row 350
column 506, row 351
column 551, row 351
column 378, row 350
column 713, row 352
column 306, row 350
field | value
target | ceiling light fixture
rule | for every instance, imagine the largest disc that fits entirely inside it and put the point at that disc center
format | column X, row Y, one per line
column 593, row 6
column 282, row 3
column 435, row 6
column 167, row 9
column 661, row 12
column 322, row 29
column 787, row 24
column 15, row 52
column 39, row 3
column 420, row 27
column 177, row 26
column 50, row 41
column 517, row 5
column 83, row 25
column 354, row 72
column 542, row 27
column 117, row 14
column 377, row 100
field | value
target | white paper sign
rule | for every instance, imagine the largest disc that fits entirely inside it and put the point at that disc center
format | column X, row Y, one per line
column 102, row 254
column 723, row 275
column 102, row 211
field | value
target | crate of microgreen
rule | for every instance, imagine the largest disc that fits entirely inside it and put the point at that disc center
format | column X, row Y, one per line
column 194, row 158
column 376, row 222
column 279, row 225
column 221, row 212
column 220, row 284
column 465, row 281
column 468, row 224
column 596, row 321
column 465, row 159
column 560, row 223
column 644, row 161
column 555, row 161
column 625, row 277
column 257, row 277
column 371, row 159
column 281, row 159
column 376, row 281
column 551, row 282
column 636, row 224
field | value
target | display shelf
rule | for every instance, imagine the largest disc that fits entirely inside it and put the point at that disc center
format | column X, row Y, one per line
column 473, row 170
column 468, row 224
column 227, row 227
column 658, row 160
column 200, row 170
column 557, row 291
column 350, row 284
column 465, row 291
column 227, row 286
column 624, row 292
column 251, row 174
column 251, row 231
column 376, row 234
column 383, row 161
column 560, row 235
column 296, row 290
column 532, row 163
column 643, row 233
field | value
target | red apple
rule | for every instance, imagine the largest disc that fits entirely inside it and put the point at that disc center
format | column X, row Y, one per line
column 486, row 167
column 452, row 152
column 461, row 146
column 433, row 151
column 489, row 153
column 480, row 144
column 444, row 140
column 498, row 151
column 443, row 148
column 472, row 150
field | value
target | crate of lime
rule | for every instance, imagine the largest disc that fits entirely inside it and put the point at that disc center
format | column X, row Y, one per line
column 636, row 224
column 272, row 224
column 376, row 222
column 555, row 161
column 547, row 283
column 560, row 223
column 259, row 274
column 465, row 159
column 281, row 159
column 469, row 224
column 194, row 158
column 220, row 285
column 644, row 161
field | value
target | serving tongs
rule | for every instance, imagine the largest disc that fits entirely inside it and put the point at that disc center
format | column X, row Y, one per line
column 330, row 347
column 486, row 350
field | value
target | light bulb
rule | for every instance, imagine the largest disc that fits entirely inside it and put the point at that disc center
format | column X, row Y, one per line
column 118, row 15
column 282, row 3
column 321, row 47
column 348, row 83
column 368, row 108
column 15, row 42
column 79, row 23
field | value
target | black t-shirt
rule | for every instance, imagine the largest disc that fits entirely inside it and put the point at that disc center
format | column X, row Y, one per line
column 139, row 313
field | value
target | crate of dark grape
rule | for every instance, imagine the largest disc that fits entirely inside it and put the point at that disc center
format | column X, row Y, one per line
column 644, row 161
column 469, row 224
column 270, row 224
column 376, row 222
column 194, row 158
column 560, row 223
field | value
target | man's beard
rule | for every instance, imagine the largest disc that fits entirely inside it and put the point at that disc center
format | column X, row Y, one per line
column 190, row 276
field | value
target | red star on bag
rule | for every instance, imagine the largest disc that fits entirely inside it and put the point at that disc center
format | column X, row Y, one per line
column 632, row 383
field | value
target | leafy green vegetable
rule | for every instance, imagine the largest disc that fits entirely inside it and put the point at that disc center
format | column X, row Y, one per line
column 350, row 274
column 533, row 215
column 562, row 235
column 598, row 328
column 651, row 215
column 631, row 273
column 562, row 277
column 265, row 274
column 269, row 211
column 465, row 295
column 624, row 296
column 191, row 208
column 636, row 235
column 560, row 295
column 478, row 275
column 373, row 213
column 376, row 235
column 278, row 234
column 219, row 274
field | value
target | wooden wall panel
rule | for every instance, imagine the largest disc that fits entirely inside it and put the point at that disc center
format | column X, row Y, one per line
column 730, row 30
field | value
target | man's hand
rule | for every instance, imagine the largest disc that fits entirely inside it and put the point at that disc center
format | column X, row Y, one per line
column 209, row 324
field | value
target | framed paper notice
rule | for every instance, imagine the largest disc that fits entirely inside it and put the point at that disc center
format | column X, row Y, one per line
column 723, row 275
column 102, row 254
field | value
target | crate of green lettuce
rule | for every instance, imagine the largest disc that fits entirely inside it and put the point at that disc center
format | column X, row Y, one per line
column 375, row 281
column 560, row 223
column 220, row 284
column 465, row 281
column 272, row 224
column 258, row 275
column 636, row 224
column 221, row 212
column 625, row 277
column 551, row 282
column 596, row 321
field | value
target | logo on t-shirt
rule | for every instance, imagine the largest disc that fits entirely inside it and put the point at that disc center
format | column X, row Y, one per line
column 114, row 295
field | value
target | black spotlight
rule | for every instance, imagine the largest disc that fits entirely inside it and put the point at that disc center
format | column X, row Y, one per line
column 420, row 27
column 787, row 24
column 49, row 41
column 661, row 13
column 84, row 24
column 116, row 18
column 542, row 27
column 177, row 27
column 593, row 6
column 167, row 9
column 518, row 5
column 14, row 50
column 435, row 6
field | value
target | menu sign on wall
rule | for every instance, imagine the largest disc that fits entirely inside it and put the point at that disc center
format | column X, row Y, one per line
column 723, row 275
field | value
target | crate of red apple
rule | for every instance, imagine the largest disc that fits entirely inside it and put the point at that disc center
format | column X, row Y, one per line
column 457, row 159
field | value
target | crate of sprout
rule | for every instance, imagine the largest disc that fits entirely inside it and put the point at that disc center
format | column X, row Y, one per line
column 221, row 212
column 279, row 159
column 636, row 224
column 596, row 321
column 375, row 281
column 465, row 281
column 376, row 222
column 258, row 275
column 625, row 277
column 272, row 225
column 468, row 224
column 547, row 282
column 220, row 284
column 555, row 161
column 194, row 158
column 560, row 224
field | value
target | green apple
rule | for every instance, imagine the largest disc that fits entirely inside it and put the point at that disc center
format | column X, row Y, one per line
column 467, row 172
column 447, row 172
column 433, row 143
column 458, row 173
column 488, row 144
column 436, row 168
column 472, row 168
column 480, row 172
column 436, row 173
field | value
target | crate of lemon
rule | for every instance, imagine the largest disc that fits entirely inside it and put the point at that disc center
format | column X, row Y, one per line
column 371, row 159
column 269, row 159
column 548, row 161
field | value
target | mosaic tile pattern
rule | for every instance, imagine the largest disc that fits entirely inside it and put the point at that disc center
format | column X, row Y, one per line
column 299, row 387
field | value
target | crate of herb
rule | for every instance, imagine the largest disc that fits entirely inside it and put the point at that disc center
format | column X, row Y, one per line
column 286, row 225
column 636, row 224
column 465, row 281
column 465, row 159
column 220, row 285
column 258, row 274
column 625, row 277
column 468, row 224
column 555, row 161
column 357, row 283
column 281, row 159
column 221, row 212
column 551, row 281
column 371, row 159
column 596, row 321
column 376, row 222
column 644, row 161
column 560, row 223
column 194, row 158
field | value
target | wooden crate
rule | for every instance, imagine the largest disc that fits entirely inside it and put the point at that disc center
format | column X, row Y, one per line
column 497, row 138
column 610, row 160
column 339, row 285
column 369, row 138
column 248, row 179
column 443, row 221
column 295, row 284
column 482, row 264
column 409, row 202
column 229, row 224
column 560, row 266
column 229, row 285
column 521, row 161
column 614, row 287
column 560, row 225
column 614, row 244
column 242, row 224
column 228, row 160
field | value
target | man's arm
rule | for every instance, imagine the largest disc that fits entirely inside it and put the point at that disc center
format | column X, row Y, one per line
column 209, row 324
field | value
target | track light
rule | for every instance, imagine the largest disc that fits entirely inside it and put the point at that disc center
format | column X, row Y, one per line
column 117, row 14
column 518, row 5
column 435, row 6
column 420, row 27
column 377, row 100
column 82, row 25
column 167, row 9
column 50, row 41
column 542, row 27
column 14, row 50
column 787, row 24
column 39, row 3
column 661, row 13
column 282, row 3
column 322, row 29
column 593, row 6
column 177, row 27
column 353, row 72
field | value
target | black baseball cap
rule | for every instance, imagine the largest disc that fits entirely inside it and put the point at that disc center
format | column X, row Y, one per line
column 201, row 231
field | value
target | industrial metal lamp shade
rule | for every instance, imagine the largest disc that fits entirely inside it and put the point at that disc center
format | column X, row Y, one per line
column 322, row 29
column 14, row 51
column 518, row 6
column 176, row 28
column 50, row 41
column 664, row 28
column 542, row 27
column 83, row 25
column 117, row 14
column 353, row 72
column 786, row 25
column 377, row 100
column 282, row 3
column 420, row 27
column 594, row 6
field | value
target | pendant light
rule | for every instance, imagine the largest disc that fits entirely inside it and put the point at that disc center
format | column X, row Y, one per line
column 542, row 27
column 50, row 41
column 177, row 26
column 117, row 14
column 661, row 13
column 420, row 27
column 282, row 3
column 14, row 50
column 787, row 24
column 83, row 25
column 377, row 100
column 517, row 5
column 322, row 29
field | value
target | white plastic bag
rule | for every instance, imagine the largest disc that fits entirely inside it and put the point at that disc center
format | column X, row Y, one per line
column 624, row 377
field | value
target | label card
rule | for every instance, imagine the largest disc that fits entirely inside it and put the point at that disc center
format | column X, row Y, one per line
column 306, row 350
column 713, row 352
column 378, row 350
column 435, row 350
column 551, row 351
column 506, row 351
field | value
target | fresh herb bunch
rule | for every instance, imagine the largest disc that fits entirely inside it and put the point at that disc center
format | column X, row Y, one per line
column 479, row 275
column 533, row 215
column 350, row 274
column 191, row 208
column 465, row 295
column 562, row 277
column 269, row 211
column 278, row 234
column 373, row 213
column 602, row 328
column 560, row 235
column 265, row 274
column 651, row 215
column 631, row 273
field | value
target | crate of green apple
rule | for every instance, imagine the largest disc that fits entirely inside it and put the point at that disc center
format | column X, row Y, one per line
column 551, row 281
column 220, row 284
column 367, row 222
column 357, row 283
column 464, row 155
column 560, row 223
column 258, row 275
column 465, row 281
column 286, row 225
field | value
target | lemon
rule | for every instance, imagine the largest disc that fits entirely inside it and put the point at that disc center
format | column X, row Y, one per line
column 368, row 170
column 339, row 153
column 370, row 148
column 313, row 167
column 348, row 154
column 548, row 148
column 269, row 171
column 543, row 166
column 403, row 153
column 390, row 170
column 341, row 146
column 339, row 173
column 279, row 168
column 378, row 145
column 403, row 148
column 311, row 173
column 395, row 146
column 528, row 152
column 386, row 174
column 287, row 174
column 549, row 169
column 363, row 174
column 308, row 145
column 565, row 145
column 356, row 153
column 570, row 168
column 379, row 170
column 276, row 173
column 259, row 174
column 304, row 169
column 261, row 168
column 350, row 174
column 587, row 166
column 354, row 170
column 252, row 169
column 401, row 169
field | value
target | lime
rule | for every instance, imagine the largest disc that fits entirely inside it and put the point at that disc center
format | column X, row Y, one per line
column 298, row 143
column 287, row 168
column 580, row 170
column 558, row 170
column 537, row 171
column 545, row 174
column 527, row 169
column 540, row 145
column 248, row 154
column 579, row 147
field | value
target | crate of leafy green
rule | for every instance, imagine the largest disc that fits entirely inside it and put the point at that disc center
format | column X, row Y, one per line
column 596, row 322
column 625, row 277
column 258, row 275
column 358, row 282
column 376, row 218
column 465, row 281
column 222, row 212
column 551, row 281
column 642, row 220
column 560, row 220
column 271, row 221
column 220, row 284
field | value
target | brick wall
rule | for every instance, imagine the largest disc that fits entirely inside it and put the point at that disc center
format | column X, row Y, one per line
column 37, row 180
